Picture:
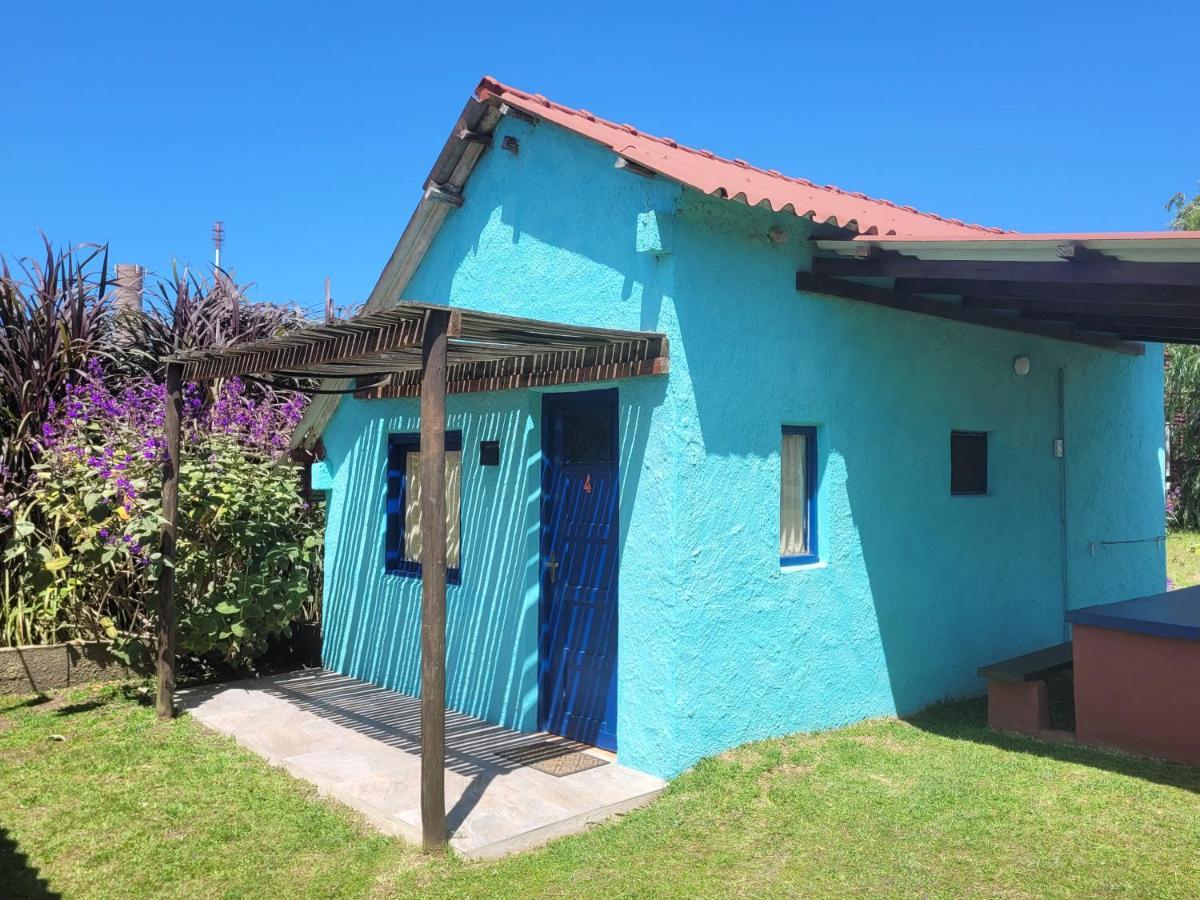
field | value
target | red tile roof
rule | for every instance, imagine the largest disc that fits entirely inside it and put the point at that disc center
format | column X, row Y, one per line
column 736, row 179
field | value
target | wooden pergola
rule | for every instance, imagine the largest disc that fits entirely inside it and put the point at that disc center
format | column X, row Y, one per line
column 407, row 350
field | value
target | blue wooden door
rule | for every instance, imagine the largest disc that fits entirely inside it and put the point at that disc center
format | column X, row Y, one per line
column 578, row 671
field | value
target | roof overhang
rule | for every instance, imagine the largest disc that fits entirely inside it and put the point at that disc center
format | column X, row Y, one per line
column 380, row 353
column 1110, row 290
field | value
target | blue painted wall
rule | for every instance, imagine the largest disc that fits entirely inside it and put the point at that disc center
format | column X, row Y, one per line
column 718, row 645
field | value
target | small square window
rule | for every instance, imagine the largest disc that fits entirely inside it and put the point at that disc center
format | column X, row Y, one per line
column 798, row 495
column 968, row 463
column 402, row 553
column 489, row 453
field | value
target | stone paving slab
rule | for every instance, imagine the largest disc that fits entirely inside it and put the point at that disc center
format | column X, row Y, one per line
column 360, row 744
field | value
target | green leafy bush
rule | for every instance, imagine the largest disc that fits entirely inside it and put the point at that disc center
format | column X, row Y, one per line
column 81, row 437
column 247, row 541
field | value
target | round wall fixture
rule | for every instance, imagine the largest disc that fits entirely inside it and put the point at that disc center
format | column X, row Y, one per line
column 1021, row 365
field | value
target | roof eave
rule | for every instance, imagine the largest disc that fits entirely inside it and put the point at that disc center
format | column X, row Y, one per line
column 448, row 176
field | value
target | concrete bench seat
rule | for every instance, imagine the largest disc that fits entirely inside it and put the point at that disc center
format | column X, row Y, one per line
column 1018, row 699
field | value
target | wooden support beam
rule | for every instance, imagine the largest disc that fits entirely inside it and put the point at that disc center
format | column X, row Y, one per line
column 165, row 620
column 402, row 385
column 1066, row 309
column 1075, row 252
column 1116, row 323
column 636, row 168
column 474, row 137
column 1181, row 295
column 1106, row 271
column 443, row 193
column 1160, row 338
column 849, row 290
column 433, row 580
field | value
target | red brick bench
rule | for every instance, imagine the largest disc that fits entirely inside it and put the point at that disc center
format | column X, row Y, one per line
column 1017, row 696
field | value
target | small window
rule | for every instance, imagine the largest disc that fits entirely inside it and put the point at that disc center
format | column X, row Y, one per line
column 798, row 495
column 968, row 463
column 402, row 553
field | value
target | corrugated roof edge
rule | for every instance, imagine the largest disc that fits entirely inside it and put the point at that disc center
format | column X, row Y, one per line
column 490, row 87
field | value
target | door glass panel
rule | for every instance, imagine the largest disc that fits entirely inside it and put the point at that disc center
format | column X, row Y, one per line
column 586, row 439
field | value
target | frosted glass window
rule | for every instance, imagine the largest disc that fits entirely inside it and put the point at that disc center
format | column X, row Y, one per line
column 403, row 532
column 797, row 495
column 412, row 507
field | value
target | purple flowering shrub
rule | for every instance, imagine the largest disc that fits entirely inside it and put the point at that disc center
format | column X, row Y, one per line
column 246, row 539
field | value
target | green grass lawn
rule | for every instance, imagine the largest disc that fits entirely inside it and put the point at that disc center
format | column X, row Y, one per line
column 1183, row 557
column 97, row 799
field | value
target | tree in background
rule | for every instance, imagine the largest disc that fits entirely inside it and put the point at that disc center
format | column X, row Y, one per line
column 1182, row 400
column 1186, row 212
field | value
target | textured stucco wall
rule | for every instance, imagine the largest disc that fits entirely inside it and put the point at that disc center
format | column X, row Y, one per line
column 916, row 588
column 549, row 233
column 717, row 643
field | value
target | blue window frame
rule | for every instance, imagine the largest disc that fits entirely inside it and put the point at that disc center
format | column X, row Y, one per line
column 402, row 538
column 798, row 495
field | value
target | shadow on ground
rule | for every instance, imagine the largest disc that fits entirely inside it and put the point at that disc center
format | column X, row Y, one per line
column 967, row 721
column 18, row 878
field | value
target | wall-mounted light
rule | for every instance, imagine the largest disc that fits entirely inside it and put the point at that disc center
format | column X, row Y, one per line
column 1021, row 365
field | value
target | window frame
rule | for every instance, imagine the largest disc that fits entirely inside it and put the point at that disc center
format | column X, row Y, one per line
column 810, row 493
column 987, row 462
column 398, row 447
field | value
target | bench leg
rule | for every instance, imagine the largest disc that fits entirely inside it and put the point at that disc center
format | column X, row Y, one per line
column 1018, row 707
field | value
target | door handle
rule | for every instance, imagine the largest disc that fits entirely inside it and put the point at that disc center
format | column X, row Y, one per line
column 552, row 566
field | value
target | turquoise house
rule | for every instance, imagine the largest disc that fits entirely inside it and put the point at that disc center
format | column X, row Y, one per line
column 849, row 489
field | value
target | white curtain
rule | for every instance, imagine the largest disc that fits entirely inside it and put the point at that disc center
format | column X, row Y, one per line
column 793, row 507
column 412, row 507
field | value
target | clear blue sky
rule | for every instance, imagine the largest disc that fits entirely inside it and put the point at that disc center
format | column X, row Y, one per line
column 309, row 128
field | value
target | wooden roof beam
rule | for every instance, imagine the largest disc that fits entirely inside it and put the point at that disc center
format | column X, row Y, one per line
column 1182, row 295
column 1075, row 308
column 1106, row 271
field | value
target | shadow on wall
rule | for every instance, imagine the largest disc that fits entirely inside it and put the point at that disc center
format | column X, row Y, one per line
column 18, row 877
column 373, row 617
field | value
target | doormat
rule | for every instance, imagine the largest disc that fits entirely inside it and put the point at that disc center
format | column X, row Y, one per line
column 557, row 758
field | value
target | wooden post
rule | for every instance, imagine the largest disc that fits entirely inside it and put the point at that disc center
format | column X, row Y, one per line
column 165, row 704
column 433, row 580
